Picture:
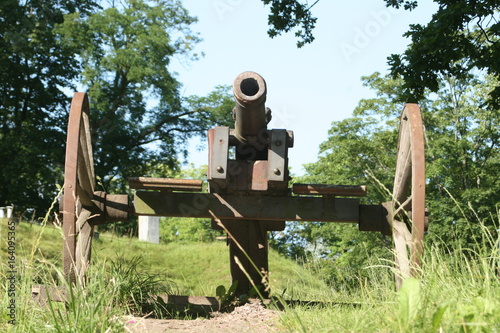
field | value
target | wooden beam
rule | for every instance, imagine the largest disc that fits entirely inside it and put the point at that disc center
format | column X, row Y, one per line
column 146, row 183
column 235, row 207
column 340, row 190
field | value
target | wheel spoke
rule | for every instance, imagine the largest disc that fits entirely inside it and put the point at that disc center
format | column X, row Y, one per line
column 85, row 158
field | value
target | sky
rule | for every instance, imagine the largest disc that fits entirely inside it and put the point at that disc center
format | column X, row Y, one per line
column 308, row 88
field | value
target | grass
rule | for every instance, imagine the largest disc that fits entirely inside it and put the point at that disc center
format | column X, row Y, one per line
column 457, row 291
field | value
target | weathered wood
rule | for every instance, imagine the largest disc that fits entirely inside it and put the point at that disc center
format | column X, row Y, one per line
column 409, row 193
column 375, row 218
column 147, row 183
column 247, row 243
column 86, row 177
column 79, row 107
column 418, row 218
column 235, row 207
column 43, row 294
column 402, row 240
column 322, row 189
column 79, row 183
column 83, row 245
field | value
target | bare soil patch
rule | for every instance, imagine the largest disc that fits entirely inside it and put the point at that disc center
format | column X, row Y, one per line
column 251, row 317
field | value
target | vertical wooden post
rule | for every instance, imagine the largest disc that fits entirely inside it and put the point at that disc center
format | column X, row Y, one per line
column 252, row 237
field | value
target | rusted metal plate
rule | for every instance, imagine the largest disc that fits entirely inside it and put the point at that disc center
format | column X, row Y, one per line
column 245, row 176
column 149, row 183
column 218, row 150
column 277, row 156
column 258, row 180
column 321, row 189
column 233, row 140
column 202, row 205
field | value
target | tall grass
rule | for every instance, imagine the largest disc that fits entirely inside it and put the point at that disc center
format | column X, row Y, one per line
column 457, row 290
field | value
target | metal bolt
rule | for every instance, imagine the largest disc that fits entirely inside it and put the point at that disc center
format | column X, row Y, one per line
column 277, row 172
column 277, row 143
column 220, row 169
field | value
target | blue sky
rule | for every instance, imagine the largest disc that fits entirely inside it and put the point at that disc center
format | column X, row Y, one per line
column 308, row 88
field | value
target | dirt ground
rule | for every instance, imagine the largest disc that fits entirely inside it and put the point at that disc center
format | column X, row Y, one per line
column 251, row 317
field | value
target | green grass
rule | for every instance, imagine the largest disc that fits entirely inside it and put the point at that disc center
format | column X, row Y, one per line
column 457, row 291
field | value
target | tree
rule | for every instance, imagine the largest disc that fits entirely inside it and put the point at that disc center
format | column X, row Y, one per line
column 121, row 56
column 139, row 119
column 286, row 15
column 462, row 36
column 462, row 152
column 36, row 68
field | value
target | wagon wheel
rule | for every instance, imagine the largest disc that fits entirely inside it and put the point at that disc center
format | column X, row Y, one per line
column 408, row 203
column 79, row 184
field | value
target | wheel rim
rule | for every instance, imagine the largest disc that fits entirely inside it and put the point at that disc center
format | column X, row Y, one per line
column 79, row 182
column 408, row 204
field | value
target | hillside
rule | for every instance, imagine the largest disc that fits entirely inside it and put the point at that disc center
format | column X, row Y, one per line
column 456, row 292
column 191, row 268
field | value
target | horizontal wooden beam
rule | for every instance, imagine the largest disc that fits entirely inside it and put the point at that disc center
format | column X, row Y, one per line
column 322, row 189
column 235, row 207
column 170, row 184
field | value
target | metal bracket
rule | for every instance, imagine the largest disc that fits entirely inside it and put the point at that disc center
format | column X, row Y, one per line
column 277, row 155
column 218, row 150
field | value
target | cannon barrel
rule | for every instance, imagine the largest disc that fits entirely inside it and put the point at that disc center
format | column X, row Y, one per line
column 250, row 115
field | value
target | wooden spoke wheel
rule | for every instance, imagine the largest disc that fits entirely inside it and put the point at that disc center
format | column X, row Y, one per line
column 79, row 183
column 82, row 207
column 408, row 204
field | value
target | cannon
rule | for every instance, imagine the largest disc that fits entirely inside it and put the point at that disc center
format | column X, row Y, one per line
column 248, row 193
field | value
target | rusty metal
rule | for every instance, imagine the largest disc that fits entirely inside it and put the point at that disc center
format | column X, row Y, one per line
column 249, row 114
column 248, row 191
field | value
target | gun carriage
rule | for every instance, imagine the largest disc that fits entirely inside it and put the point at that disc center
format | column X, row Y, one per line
column 248, row 191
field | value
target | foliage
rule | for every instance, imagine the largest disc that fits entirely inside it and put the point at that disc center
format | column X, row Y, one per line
column 177, row 229
column 138, row 117
column 462, row 153
column 461, row 36
column 226, row 297
column 36, row 67
column 135, row 290
column 287, row 15
column 121, row 55
column 409, row 301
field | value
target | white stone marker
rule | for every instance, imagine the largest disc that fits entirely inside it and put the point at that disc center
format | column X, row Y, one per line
column 149, row 229
column 9, row 211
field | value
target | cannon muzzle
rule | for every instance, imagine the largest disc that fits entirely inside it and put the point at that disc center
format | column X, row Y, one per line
column 250, row 113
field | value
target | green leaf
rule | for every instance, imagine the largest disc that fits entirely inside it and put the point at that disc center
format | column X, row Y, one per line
column 220, row 291
column 409, row 300
column 437, row 317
